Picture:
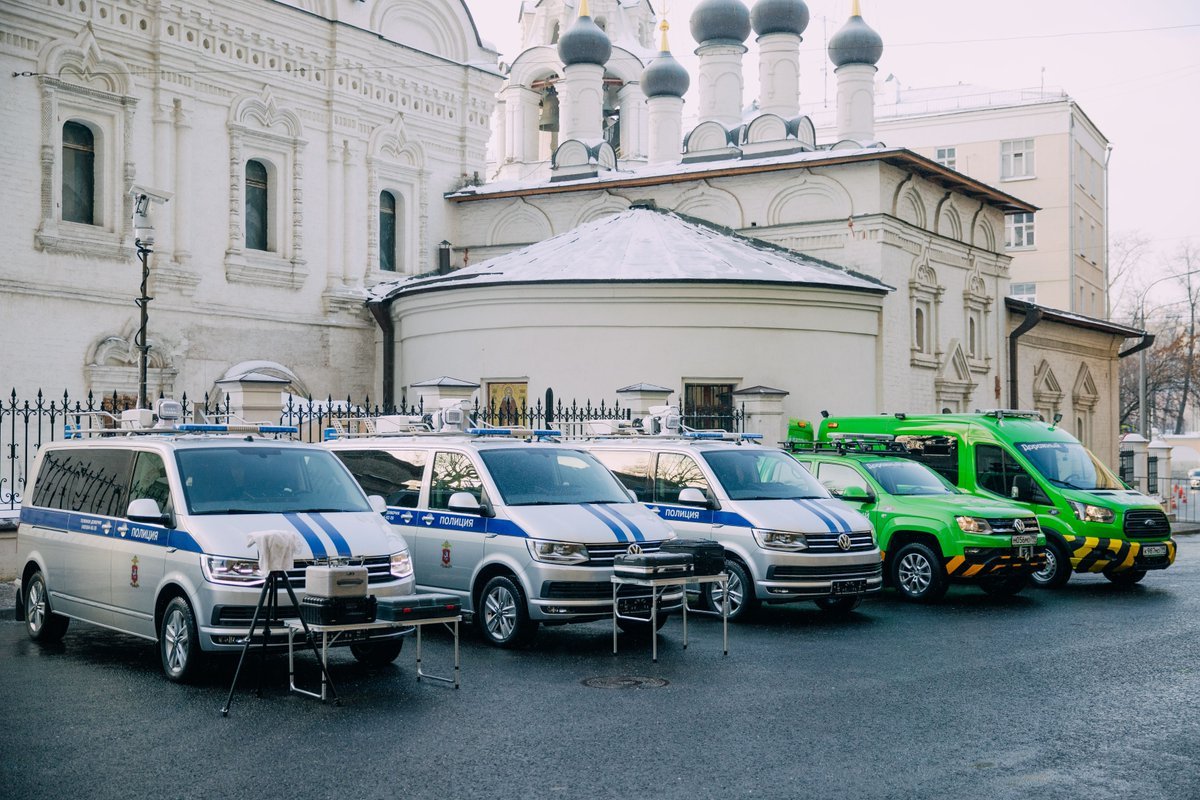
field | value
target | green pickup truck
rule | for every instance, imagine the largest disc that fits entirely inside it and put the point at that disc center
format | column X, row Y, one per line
column 931, row 534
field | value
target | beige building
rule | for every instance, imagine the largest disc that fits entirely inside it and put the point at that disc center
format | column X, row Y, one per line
column 1037, row 145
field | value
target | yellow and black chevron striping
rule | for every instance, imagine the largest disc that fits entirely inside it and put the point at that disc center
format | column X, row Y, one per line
column 1092, row 554
column 960, row 567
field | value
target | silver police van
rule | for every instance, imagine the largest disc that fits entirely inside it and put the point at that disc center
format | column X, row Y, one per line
column 145, row 531
column 785, row 537
column 522, row 528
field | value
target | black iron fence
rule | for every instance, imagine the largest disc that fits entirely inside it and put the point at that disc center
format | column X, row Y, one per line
column 27, row 424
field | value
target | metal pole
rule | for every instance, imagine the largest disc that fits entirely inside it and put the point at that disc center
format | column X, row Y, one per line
column 143, row 302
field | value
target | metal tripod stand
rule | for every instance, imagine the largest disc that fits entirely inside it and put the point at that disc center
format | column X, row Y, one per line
column 269, row 599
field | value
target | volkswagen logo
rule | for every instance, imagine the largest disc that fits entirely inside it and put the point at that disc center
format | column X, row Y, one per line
column 844, row 541
column 1019, row 526
column 634, row 550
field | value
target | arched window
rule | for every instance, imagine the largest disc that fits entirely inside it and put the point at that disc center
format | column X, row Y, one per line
column 919, row 329
column 972, row 339
column 387, row 231
column 554, row 33
column 79, row 174
column 257, row 196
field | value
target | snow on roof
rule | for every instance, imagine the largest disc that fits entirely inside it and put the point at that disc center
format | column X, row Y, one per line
column 643, row 245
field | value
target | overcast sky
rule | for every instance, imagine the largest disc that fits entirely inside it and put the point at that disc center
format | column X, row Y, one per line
column 1134, row 68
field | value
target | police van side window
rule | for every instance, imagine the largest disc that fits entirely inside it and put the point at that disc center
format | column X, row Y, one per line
column 632, row 470
column 998, row 472
column 453, row 472
column 394, row 475
column 939, row 453
column 54, row 480
column 675, row 473
column 150, row 482
column 101, row 484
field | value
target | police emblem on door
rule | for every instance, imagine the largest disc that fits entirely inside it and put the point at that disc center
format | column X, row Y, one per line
column 844, row 541
column 445, row 554
column 133, row 572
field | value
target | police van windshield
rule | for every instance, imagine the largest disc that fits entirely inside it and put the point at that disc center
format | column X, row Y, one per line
column 754, row 474
column 547, row 476
column 1069, row 465
column 266, row 480
column 908, row 478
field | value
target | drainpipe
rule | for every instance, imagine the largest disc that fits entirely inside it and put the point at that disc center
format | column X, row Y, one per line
column 383, row 315
column 1033, row 316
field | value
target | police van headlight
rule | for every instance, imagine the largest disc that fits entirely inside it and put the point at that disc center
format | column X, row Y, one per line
column 973, row 525
column 778, row 540
column 232, row 571
column 401, row 565
column 557, row 552
column 1089, row 513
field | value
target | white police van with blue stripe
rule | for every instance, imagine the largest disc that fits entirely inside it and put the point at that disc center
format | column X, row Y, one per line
column 522, row 528
column 145, row 530
column 785, row 537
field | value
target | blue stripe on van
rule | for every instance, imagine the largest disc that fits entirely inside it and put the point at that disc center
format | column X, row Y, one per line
column 93, row 525
column 612, row 526
column 310, row 536
column 339, row 541
column 634, row 529
column 820, row 514
column 837, row 514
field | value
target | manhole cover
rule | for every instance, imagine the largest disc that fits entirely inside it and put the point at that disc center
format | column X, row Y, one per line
column 624, row 682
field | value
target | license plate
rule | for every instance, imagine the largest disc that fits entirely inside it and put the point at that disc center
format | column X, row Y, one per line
column 628, row 604
column 1153, row 550
column 848, row 587
column 1021, row 539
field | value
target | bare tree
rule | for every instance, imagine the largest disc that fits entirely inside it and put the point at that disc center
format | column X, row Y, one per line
column 1127, row 252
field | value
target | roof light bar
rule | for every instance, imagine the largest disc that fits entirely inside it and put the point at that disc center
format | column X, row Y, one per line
column 202, row 428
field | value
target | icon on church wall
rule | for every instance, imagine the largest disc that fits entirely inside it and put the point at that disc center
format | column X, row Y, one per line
column 507, row 402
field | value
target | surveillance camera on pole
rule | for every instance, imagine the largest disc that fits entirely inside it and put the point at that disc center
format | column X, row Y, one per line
column 143, row 239
column 143, row 230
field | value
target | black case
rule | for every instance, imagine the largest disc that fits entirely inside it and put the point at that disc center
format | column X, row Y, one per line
column 418, row 606
column 708, row 557
column 652, row 565
column 337, row 610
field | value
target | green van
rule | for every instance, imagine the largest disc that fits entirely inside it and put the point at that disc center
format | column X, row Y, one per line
column 1093, row 522
column 931, row 533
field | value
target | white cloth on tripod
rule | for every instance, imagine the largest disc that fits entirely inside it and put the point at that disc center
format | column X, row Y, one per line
column 276, row 549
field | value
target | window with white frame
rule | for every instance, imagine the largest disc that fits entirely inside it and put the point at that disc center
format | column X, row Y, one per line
column 390, row 209
column 78, row 173
column 1023, row 291
column 1018, row 230
column 1016, row 159
column 947, row 157
column 258, row 206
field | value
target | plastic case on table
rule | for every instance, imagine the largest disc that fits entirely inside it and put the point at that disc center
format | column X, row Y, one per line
column 652, row 565
column 708, row 557
column 337, row 610
column 331, row 581
column 418, row 606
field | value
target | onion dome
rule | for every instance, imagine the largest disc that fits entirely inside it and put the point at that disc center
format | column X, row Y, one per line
column 665, row 77
column 856, row 42
column 584, row 43
column 779, row 16
column 721, row 21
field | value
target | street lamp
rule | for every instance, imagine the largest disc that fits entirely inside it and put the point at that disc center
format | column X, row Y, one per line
column 143, row 240
column 1142, row 399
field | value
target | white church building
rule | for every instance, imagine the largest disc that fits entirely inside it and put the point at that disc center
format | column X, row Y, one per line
column 334, row 220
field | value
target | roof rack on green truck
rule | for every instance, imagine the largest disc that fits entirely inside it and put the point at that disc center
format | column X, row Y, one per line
column 1093, row 522
column 931, row 533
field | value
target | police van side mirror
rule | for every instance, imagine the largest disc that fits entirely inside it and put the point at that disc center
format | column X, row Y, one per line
column 377, row 503
column 694, row 497
column 146, row 510
column 464, row 503
column 856, row 494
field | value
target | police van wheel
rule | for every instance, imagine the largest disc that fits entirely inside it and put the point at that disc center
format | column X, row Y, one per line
column 1004, row 587
column 503, row 616
column 1127, row 577
column 377, row 654
column 742, row 600
column 838, row 605
column 1058, row 567
column 42, row 624
column 918, row 574
column 178, row 642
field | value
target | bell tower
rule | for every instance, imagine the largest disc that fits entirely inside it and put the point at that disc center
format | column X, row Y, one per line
column 629, row 25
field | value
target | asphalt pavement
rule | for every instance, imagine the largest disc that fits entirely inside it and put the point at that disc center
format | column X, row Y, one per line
column 1087, row 692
